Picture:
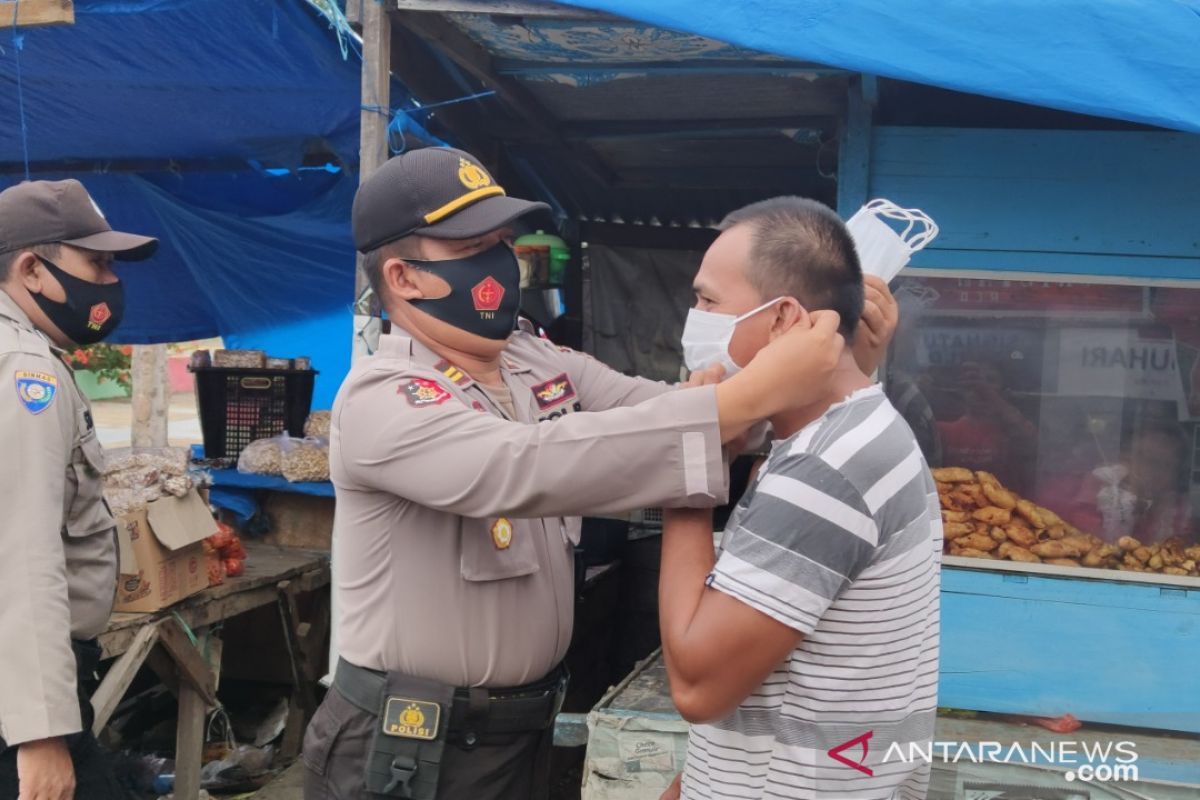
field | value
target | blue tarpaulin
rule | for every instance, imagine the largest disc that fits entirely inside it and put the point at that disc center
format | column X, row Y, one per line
column 179, row 79
column 1135, row 60
column 218, row 102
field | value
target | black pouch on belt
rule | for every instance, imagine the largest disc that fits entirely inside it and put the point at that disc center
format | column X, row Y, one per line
column 406, row 749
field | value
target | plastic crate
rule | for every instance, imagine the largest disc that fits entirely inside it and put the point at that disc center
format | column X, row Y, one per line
column 238, row 406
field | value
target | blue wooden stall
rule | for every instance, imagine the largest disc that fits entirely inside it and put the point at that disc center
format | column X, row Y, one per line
column 1051, row 205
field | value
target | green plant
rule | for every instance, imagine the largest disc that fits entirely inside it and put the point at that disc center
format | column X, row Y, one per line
column 108, row 362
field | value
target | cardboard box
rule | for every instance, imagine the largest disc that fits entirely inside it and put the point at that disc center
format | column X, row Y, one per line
column 162, row 553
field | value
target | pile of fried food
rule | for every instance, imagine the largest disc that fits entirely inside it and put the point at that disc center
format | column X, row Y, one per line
column 982, row 519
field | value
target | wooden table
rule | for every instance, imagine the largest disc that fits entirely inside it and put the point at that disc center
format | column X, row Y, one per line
column 168, row 641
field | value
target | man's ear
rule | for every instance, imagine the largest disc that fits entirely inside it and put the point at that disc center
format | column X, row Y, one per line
column 25, row 267
column 402, row 280
column 786, row 313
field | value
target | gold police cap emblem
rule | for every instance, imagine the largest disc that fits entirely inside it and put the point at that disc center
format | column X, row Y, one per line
column 472, row 175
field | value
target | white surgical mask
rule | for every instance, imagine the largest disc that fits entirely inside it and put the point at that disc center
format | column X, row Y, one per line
column 881, row 250
column 706, row 337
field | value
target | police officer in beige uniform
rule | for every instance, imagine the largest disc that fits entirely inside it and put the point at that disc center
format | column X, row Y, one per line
column 59, row 566
column 461, row 453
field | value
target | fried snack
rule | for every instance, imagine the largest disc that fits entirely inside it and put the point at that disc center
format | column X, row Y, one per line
column 1051, row 519
column 1174, row 571
column 1093, row 559
column 1053, row 549
column 970, row 552
column 993, row 515
column 1056, row 531
column 1193, row 553
column 975, row 492
column 998, row 496
column 999, row 534
column 1129, row 562
column 1020, row 535
column 953, row 475
column 1142, row 554
column 1128, row 543
column 953, row 530
column 1014, row 553
column 956, row 516
column 943, row 488
column 1084, row 544
column 962, row 500
column 1062, row 562
column 1155, row 562
column 976, row 541
column 950, row 502
column 1030, row 512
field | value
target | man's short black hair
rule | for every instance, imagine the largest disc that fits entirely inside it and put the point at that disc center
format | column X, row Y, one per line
column 6, row 259
column 800, row 248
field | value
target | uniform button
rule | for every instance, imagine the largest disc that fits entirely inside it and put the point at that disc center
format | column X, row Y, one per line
column 470, row 739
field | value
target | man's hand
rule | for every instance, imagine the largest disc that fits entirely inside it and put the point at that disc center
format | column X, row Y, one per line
column 672, row 792
column 792, row 371
column 45, row 771
column 705, row 377
column 880, row 316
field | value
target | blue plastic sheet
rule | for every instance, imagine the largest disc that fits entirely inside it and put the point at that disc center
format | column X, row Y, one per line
column 1137, row 61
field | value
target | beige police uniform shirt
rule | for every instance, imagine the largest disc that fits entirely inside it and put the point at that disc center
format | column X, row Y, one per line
column 455, row 523
column 58, row 553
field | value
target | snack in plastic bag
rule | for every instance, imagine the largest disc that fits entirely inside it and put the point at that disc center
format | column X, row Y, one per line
column 262, row 456
column 305, row 459
column 318, row 424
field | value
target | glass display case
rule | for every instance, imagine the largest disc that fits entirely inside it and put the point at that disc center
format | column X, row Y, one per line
column 1061, row 418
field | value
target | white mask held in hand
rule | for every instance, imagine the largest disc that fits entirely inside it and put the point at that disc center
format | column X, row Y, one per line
column 882, row 250
column 706, row 337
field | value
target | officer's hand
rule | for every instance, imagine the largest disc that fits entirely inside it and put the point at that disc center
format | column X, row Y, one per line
column 672, row 792
column 794, row 370
column 705, row 377
column 45, row 771
column 880, row 316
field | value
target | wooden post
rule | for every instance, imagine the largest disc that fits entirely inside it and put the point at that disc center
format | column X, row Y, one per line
column 189, row 742
column 37, row 13
column 150, row 396
column 854, row 151
column 376, row 102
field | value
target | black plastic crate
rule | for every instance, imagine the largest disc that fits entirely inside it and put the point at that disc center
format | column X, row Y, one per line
column 238, row 406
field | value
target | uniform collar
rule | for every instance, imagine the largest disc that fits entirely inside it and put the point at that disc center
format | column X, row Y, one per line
column 399, row 343
column 10, row 309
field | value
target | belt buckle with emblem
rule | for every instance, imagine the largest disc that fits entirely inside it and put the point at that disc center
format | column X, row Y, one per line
column 411, row 719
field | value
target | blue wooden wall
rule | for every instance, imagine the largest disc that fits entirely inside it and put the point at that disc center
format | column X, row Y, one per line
column 1118, row 653
column 1074, row 202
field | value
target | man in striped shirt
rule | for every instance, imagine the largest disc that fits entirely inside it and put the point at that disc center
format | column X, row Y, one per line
column 809, row 645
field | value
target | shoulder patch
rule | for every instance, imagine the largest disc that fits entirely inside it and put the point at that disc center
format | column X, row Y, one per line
column 36, row 390
column 422, row 392
column 554, row 391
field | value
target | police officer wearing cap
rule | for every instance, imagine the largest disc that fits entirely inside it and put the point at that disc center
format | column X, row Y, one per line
column 59, row 567
column 462, row 453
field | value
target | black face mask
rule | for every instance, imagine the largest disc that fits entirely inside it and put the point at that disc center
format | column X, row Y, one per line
column 485, row 292
column 91, row 311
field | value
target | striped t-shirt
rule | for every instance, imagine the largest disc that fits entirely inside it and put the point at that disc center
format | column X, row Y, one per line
column 840, row 538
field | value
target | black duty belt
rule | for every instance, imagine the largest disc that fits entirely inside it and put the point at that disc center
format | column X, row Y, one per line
column 473, row 712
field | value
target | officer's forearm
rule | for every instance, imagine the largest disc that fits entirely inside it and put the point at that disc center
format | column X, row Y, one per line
column 740, row 405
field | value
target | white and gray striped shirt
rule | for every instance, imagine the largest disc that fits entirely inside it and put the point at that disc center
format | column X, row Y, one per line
column 840, row 538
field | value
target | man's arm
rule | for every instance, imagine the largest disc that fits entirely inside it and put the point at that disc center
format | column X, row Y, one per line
column 38, row 701
column 721, row 640
column 667, row 450
column 717, row 648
